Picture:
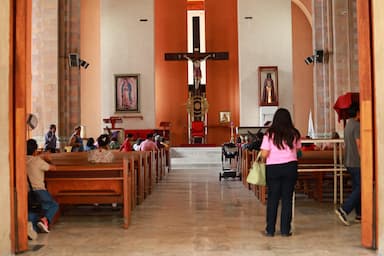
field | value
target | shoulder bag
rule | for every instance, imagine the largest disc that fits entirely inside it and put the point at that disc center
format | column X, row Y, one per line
column 256, row 175
column 34, row 201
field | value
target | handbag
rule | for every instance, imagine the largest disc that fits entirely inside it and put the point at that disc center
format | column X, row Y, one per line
column 256, row 175
column 34, row 201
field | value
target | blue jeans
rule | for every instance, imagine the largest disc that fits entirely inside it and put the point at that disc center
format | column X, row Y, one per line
column 354, row 200
column 48, row 204
column 34, row 217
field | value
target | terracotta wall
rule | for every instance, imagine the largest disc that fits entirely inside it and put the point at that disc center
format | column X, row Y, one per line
column 302, row 73
column 171, row 77
column 222, row 76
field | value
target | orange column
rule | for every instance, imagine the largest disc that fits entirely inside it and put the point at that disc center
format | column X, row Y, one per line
column 302, row 73
column 171, row 82
column 368, row 203
column 20, row 85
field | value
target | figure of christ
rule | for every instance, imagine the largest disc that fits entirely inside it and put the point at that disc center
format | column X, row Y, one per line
column 268, row 90
column 196, row 60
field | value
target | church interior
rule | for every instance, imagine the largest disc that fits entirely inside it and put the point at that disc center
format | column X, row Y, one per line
column 199, row 73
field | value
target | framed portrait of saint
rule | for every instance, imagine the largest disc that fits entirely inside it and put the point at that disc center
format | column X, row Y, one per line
column 268, row 86
column 224, row 117
column 127, row 93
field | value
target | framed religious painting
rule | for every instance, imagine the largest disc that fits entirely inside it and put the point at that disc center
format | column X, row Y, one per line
column 127, row 93
column 224, row 117
column 268, row 86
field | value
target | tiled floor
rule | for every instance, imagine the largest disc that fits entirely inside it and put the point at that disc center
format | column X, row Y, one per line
column 192, row 213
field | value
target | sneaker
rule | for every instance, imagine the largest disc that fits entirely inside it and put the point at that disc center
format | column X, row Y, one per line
column 32, row 235
column 358, row 219
column 43, row 225
column 342, row 216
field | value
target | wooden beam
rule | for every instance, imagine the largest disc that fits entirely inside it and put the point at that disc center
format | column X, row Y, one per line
column 368, row 225
column 21, row 81
column 10, row 125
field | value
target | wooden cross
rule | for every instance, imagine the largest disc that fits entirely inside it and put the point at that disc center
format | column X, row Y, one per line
column 113, row 120
column 196, row 56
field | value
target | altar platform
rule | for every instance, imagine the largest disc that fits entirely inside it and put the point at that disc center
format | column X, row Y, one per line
column 195, row 157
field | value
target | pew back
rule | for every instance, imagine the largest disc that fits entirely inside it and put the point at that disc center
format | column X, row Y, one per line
column 92, row 183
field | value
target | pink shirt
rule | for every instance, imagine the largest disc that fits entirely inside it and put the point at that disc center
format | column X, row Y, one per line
column 148, row 145
column 279, row 156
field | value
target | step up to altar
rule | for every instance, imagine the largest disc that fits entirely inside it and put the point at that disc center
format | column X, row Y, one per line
column 195, row 157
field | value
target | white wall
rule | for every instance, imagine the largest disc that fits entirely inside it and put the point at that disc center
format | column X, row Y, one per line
column 5, row 220
column 264, row 40
column 127, row 47
column 378, row 42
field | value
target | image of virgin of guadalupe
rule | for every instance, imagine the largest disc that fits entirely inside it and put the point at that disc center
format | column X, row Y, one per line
column 126, row 93
column 269, row 96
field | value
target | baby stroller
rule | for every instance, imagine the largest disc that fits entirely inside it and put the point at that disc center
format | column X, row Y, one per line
column 230, row 161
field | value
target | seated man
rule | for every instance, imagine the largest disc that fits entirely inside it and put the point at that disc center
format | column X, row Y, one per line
column 148, row 144
column 50, row 139
column 36, row 167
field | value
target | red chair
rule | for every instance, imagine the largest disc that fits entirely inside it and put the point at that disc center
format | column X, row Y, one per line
column 198, row 131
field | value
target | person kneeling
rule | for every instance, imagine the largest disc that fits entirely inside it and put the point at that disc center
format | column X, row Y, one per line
column 36, row 167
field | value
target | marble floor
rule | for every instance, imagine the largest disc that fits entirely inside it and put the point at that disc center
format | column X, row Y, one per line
column 192, row 213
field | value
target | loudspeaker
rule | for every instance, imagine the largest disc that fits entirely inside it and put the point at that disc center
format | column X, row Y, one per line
column 319, row 56
column 84, row 64
column 308, row 60
column 73, row 60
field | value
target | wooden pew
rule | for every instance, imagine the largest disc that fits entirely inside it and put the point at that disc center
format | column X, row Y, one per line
column 80, row 182
column 142, row 170
column 148, row 166
column 314, row 167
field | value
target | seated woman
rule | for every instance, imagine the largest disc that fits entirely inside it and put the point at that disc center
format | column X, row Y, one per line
column 76, row 142
column 126, row 146
column 101, row 154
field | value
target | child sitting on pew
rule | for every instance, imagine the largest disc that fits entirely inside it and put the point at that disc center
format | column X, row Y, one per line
column 101, row 154
column 36, row 167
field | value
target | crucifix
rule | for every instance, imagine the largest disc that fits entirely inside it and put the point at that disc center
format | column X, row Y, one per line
column 196, row 56
column 197, row 104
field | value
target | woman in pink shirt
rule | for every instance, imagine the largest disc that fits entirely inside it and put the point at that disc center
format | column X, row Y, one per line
column 279, row 147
